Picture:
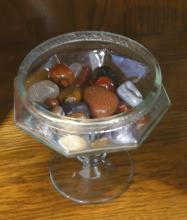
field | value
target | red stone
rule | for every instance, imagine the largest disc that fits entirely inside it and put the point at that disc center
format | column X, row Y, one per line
column 51, row 102
column 83, row 76
column 102, row 102
column 123, row 107
column 105, row 82
column 62, row 75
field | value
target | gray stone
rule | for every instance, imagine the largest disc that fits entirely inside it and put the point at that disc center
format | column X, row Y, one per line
column 42, row 90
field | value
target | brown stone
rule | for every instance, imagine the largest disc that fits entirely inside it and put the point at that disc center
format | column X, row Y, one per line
column 102, row 102
column 62, row 75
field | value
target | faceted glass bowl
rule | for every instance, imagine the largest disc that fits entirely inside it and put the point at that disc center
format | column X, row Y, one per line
column 85, row 137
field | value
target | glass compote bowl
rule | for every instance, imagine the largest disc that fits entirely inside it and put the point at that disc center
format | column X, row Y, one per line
column 92, row 163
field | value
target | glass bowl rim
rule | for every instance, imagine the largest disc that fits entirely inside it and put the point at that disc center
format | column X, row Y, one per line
column 73, row 37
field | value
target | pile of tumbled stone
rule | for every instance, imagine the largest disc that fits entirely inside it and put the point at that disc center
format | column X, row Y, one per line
column 77, row 91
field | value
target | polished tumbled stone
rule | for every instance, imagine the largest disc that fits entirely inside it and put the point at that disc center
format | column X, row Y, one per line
column 72, row 143
column 70, row 94
column 102, row 103
column 129, row 93
column 76, row 107
column 124, row 135
column 62, row 75
column 105, row 71
column 42, row 90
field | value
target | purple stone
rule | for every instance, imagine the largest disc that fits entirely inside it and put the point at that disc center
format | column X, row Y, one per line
column 73, row 107
column 124, row 135
column 128, row 92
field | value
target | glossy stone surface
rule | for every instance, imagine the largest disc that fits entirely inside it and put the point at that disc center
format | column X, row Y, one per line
column 62, row 75
column 74, row 107
column 70, row 94
column 36, row 76
column 83, row 76
column 72, row 142
column 105, row 82
column 51, row 102
column 76, row 69
column 42, row 90
column 102, row 103
column 129, row 93
column 106, row 71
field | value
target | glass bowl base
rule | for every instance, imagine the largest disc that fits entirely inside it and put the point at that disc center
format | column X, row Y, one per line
column 93, row 178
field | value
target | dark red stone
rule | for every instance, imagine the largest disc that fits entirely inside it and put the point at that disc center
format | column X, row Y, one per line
column 62, row 75
column 83, row 76
column 105, row 82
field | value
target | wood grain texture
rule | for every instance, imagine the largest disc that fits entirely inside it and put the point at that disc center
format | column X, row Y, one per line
column 159, row 188
column 43, row 19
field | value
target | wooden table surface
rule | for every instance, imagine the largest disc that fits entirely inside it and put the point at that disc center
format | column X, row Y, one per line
column 159, row 187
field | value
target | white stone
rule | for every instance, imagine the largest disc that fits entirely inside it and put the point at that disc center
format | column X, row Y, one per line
column 39, row 91
column 72, row 143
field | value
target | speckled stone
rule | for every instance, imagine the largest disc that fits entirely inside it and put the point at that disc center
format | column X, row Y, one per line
column 42, row 90
column 102, row 103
